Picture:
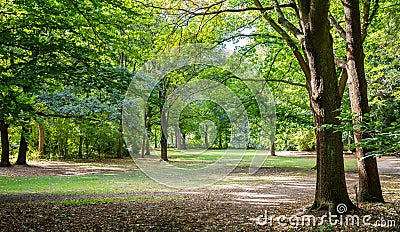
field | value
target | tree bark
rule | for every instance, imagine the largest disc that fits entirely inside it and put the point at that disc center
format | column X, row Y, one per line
column 143, row 147
column 325, row 101
column 369, row 183
column 184, row 142
column 120, row 138
column 164, row 134
column 41, row 141
column 272, row 146
column 206, row 145
column 23, row 146
column 220, row 140
column 5, row 145
column 80, row 147
column 148, row 139
column 178, row 138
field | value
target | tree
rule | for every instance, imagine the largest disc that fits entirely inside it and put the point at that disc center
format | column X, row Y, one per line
column 5, row 144
column 369, row 183
column 325, row 101
column 23, row 146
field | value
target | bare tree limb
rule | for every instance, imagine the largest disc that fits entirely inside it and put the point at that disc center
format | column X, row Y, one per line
column 343, row 83
column 368, row 17
column 206, row 10
column 284, row 22
column 337, row 26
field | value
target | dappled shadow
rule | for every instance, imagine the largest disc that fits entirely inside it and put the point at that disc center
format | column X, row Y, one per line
column 68, row 168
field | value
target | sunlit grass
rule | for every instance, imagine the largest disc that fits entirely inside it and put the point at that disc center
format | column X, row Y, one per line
column 198, row 159
column 136, row 181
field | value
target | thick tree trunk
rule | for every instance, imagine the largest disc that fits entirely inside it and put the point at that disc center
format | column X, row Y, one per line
column 5, row 145
column 325, row 101
column 23, row 146
column 41, row 141
column 369, row 183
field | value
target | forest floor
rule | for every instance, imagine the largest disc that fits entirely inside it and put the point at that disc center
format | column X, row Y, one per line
column 240, row 202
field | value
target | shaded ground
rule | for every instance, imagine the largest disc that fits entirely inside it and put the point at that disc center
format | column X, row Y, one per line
column 231, row 205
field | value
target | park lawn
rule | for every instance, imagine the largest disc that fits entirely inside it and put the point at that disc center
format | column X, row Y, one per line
column 136, row 181
column 192, row 157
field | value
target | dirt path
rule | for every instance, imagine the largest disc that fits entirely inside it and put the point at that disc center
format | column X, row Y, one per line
column 389, row 166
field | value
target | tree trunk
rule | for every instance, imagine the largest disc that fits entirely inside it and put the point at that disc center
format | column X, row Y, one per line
column 178, row 138
column 87, row 149
column 148, row 139
column 272, row 146
column 206, row 136
column 155, row 138
column 5, row 145
column 147, row 146
column 184, row 142
column 143, row 147
column 369, row 183
column 41, row 141
column 120, row 139
column 172, row 140
column 164, row 134
column 80, row 151
column 220, row 140
column 23, row 146
column 325, row 101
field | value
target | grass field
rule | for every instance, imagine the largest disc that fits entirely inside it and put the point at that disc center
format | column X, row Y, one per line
column 135, row 181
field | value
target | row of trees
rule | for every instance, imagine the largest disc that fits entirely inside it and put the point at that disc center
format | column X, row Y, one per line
column 66, row 66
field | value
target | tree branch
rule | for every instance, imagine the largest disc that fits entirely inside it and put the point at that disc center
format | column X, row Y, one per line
column 368, row 17
column 247, row 35
column 337, row 26
column 340, row 63
column 206, row 10
column 343, row 83
column 289, row 41
column 284, row 22
column 276, row 80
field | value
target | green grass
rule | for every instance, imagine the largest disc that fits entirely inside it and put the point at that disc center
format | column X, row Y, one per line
column 196, row 158
column 80, row 185
column 136, row 181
